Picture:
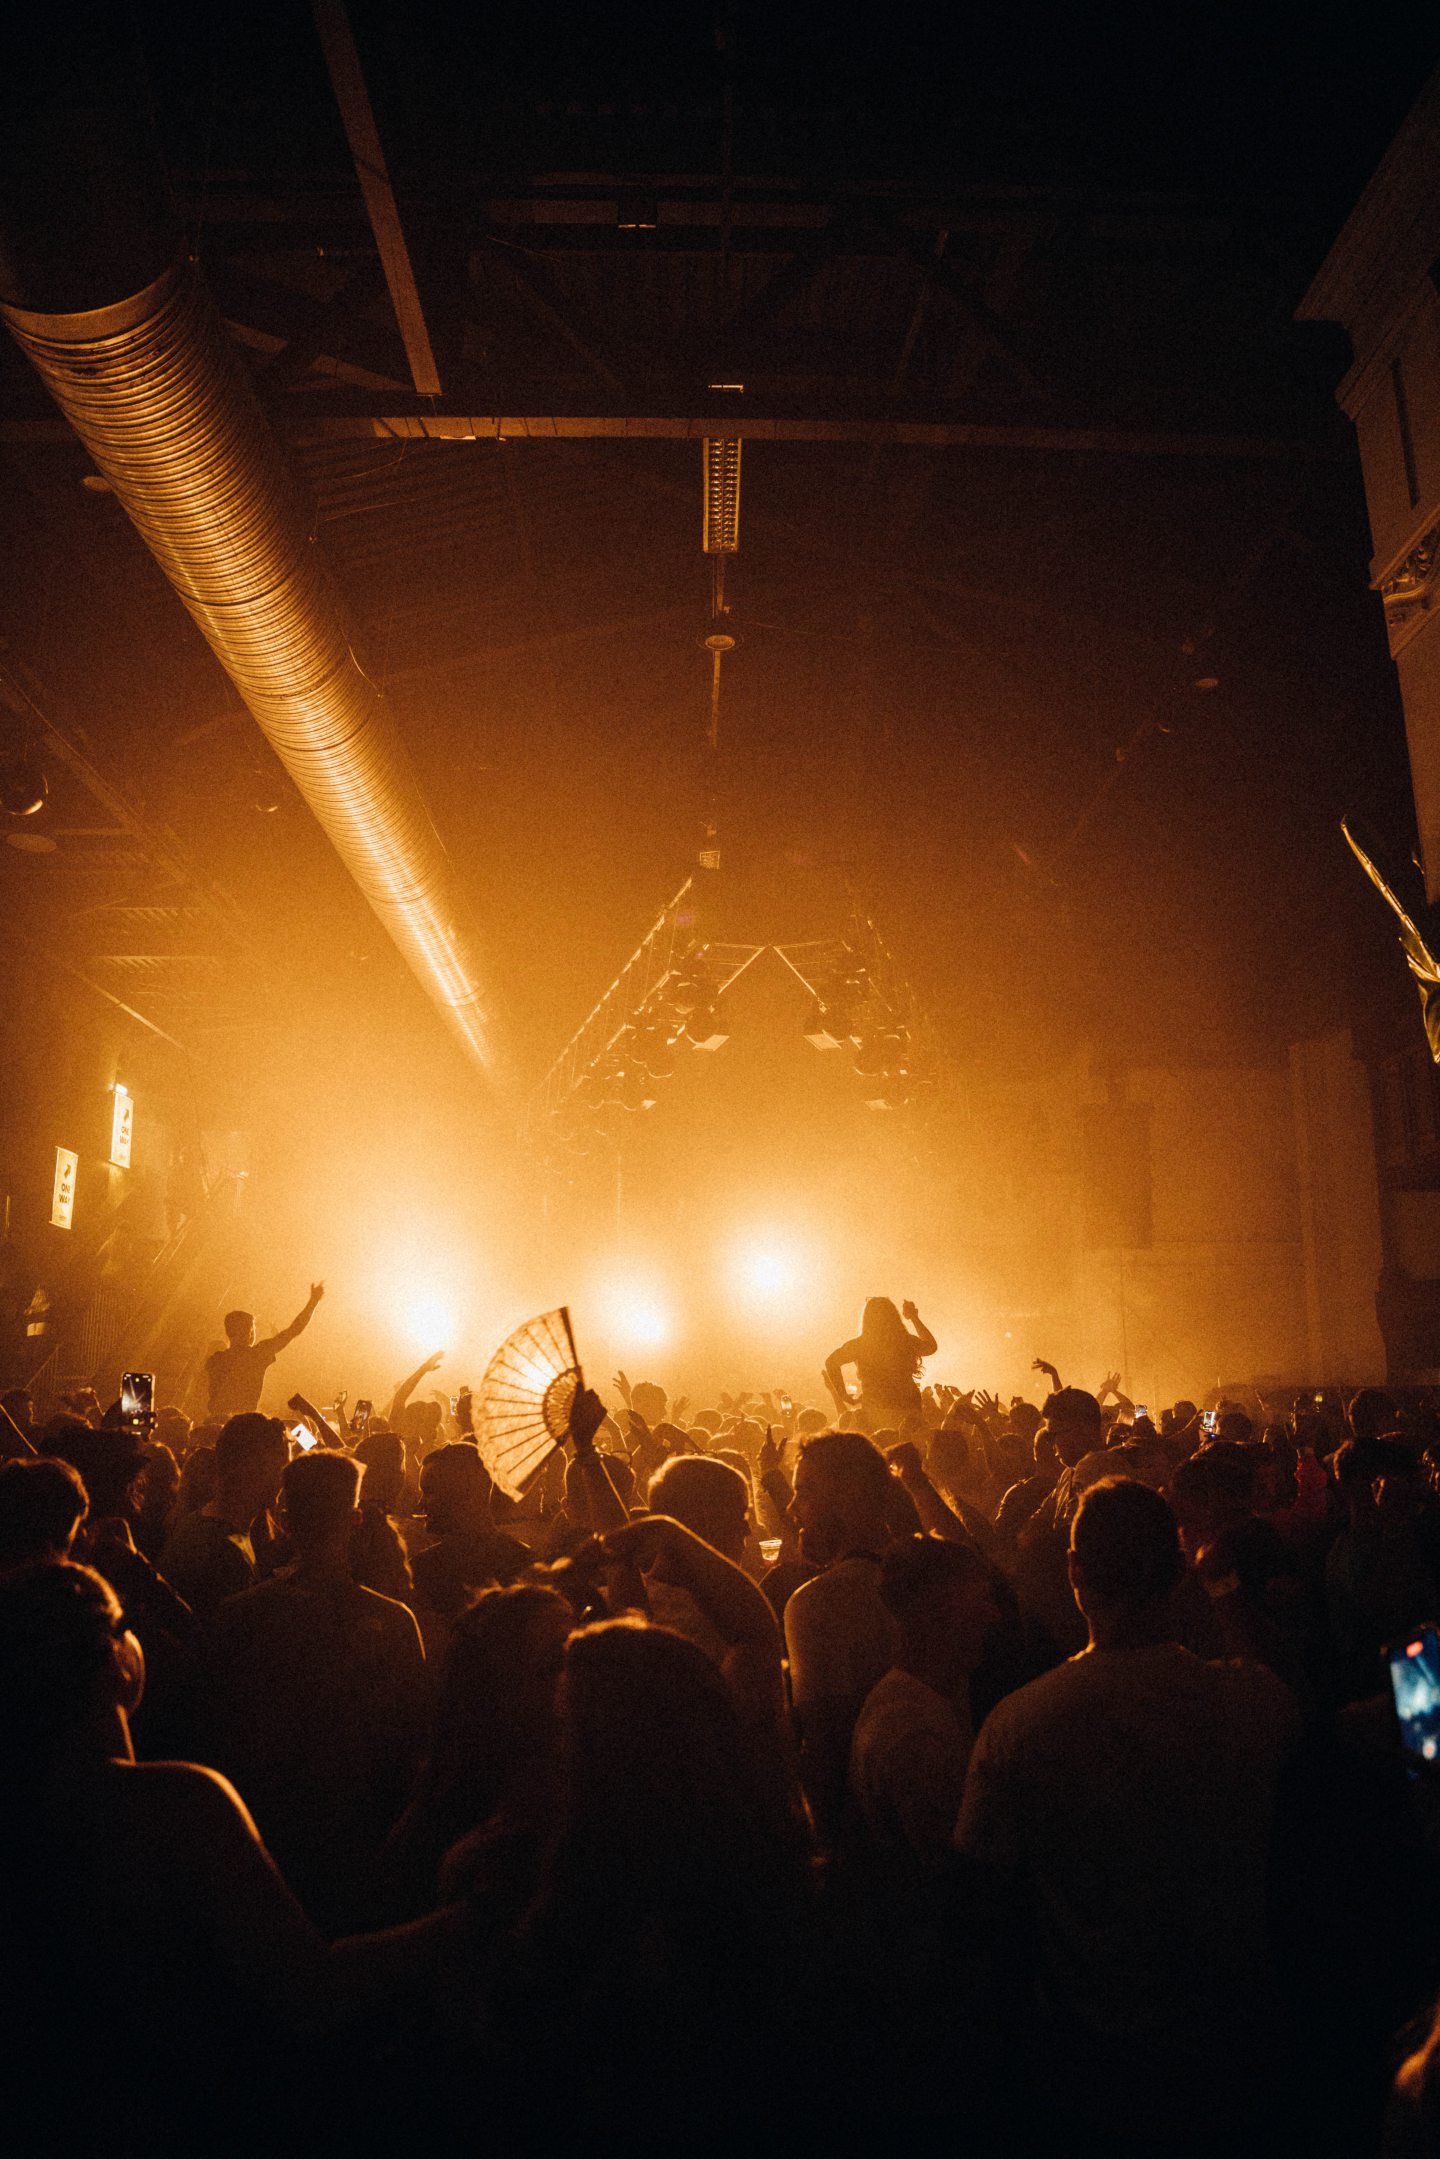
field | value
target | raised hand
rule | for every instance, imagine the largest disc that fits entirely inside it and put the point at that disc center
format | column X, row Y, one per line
column 910, row 1309
column 433, row 1363
column 587, row 1414
column 622, row 1387
column 317, row 1291
column 1110, row 1384
column 987, row 1404
column 772, row 1451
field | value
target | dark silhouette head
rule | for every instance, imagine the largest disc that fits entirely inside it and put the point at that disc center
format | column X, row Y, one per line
column 318, row 1493
column 67, row 1665
column 42, row 1504
column 240, row 1329
column 1124, row 1550
column 708, row 1496
column 842, row 1496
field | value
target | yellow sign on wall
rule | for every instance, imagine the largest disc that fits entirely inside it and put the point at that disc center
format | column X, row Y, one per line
column 62, row 1203
column 122, row 1127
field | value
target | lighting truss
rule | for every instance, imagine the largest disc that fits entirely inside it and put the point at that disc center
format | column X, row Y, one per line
column 667, row 993
column 864, row 1001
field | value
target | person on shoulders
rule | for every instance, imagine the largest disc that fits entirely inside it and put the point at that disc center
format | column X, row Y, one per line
column 886, row 1357
column 235, row 1375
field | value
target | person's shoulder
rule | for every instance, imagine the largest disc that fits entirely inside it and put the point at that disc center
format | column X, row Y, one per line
column 1254, row 1689
column 249, row 1607
column 188, row 1541
column 843, row 1581
column 1041, row 1701
column 185, row 1793
column 386, row 1614
column 899, row 1701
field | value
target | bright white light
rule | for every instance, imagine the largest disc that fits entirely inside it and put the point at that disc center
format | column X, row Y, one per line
column 429, row 1321
column 635, row 1318
column 767, row 1272
column 643, row 1323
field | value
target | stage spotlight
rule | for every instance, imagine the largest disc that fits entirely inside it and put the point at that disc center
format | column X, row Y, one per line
column 705, row 1030
column 654, row 1053
column 632, row 1090
column 429, row 1320
column 826, row 1028
column 766, row 1272
column 637, row 1322
column 24, row 789
column 881, row 1053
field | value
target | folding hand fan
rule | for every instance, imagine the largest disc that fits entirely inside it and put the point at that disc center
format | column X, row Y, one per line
column 522, row 1409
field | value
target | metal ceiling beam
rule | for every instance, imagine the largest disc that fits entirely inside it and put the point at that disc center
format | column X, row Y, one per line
column 934, row 434
column 347, row 79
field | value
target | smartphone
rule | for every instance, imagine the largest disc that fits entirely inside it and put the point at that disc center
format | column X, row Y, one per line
column 301, row 1435
column 364, row 1411
column 1210, row 1422
column 137, row 1397
column 785, row 1403
column 1415, row 1685
column 1141, row 1411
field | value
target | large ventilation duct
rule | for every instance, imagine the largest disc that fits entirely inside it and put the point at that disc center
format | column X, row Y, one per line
column 154, row 389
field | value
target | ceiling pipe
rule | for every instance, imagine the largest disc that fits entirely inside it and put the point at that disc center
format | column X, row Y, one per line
column 151, row 383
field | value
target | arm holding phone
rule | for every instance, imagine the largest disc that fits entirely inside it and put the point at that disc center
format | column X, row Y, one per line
column 325, row 1432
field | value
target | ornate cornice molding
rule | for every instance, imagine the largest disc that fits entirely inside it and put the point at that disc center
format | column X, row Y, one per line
column 1409, row 591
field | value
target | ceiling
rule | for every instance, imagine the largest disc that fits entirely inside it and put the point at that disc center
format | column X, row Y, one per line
column 1051, row 592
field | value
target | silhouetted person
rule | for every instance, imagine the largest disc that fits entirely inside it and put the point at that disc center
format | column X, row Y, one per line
column 377, row 1555
column 235, row 1375
column 42, row 1504
column 838, row 1633
column 469, row 1552
column 210, row 1553
column 886, row 1355
column 1123, row 1804
column 913, row 1736
column 151, row 1954
column 315, row 1697
column 490, row 1768
column 672, row 1879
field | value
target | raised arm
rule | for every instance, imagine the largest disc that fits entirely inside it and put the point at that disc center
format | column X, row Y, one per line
column 738, row 1611
column 936, row 1514
column 924, row 1340
column 407, row 1387
column 276, row 1342
column 606, row 1508
column 324, row 1431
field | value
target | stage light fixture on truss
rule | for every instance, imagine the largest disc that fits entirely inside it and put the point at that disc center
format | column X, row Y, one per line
column 668, row 994
column 864, row 1001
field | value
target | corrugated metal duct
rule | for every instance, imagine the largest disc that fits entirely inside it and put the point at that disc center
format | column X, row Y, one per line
column 154, row 389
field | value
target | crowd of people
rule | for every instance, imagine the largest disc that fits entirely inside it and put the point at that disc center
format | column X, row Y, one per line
column 919, row 1761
